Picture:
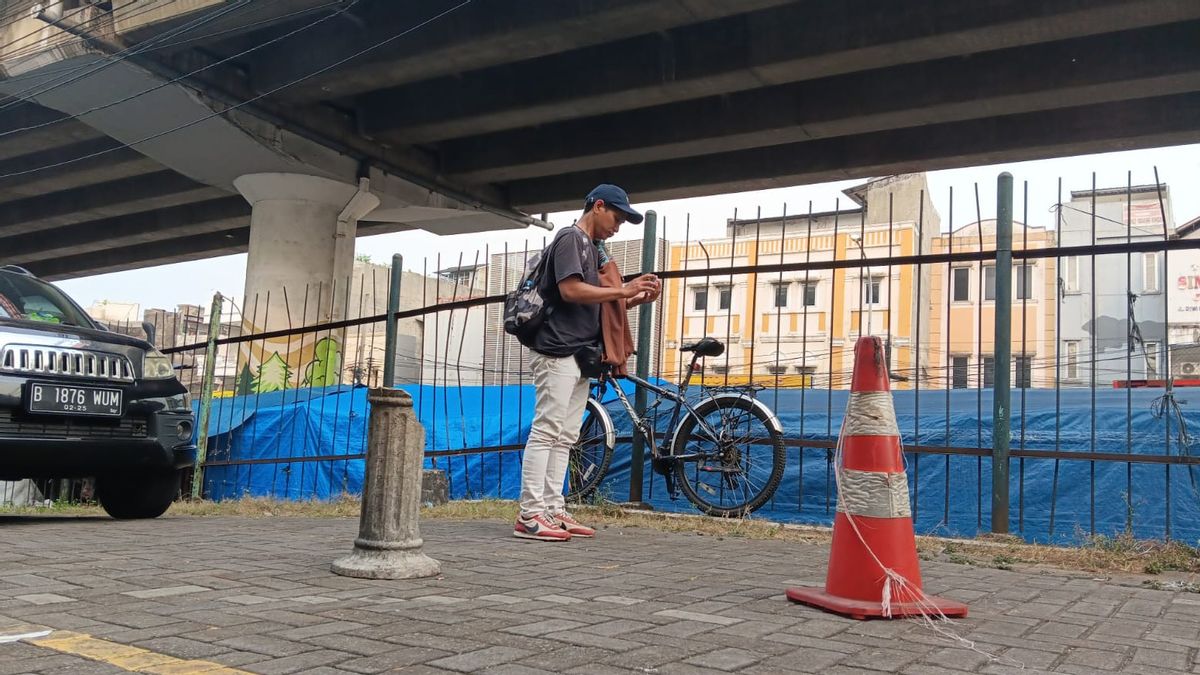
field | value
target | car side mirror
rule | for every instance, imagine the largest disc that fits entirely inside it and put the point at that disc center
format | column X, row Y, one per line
column 150, row 331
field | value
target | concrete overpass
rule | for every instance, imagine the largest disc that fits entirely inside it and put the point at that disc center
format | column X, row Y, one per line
column 466, row 116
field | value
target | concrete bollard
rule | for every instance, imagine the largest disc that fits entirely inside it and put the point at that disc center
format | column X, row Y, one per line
column 389, row 536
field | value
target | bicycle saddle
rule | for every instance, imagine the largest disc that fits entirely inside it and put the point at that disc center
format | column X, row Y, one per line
column 705, row 347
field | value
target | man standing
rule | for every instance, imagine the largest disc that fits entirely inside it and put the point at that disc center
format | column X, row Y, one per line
column 574, row 294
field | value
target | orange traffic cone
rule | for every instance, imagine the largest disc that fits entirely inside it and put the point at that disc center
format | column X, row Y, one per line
column 873, row 568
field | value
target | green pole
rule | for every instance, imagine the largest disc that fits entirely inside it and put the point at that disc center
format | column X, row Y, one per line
column 1001, row 404
column 645, row 325
column 206, row 394
column 389, row 341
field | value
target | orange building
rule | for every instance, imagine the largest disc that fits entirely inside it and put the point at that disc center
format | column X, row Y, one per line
column 798, row 328
column 962, row 314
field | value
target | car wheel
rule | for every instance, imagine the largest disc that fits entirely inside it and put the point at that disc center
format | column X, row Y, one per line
column 137, row 494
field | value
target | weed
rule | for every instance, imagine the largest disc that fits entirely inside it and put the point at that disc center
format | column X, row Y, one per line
column 1003, row 562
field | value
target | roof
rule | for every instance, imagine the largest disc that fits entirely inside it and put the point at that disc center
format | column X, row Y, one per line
column 461, row 268
column 791, row 217
column 1136, row 189
column 1188, row 228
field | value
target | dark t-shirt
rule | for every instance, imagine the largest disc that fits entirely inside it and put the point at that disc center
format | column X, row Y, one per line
column 569, row 325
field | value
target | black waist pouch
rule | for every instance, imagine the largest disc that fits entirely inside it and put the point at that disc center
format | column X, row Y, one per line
column 590, row 360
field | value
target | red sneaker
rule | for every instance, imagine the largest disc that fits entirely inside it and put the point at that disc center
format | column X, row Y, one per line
column 572, row 526
column 539, row 526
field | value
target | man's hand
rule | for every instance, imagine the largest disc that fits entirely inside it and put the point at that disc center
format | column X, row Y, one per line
column 646, row 285
column 649, row 294
column 574, row 289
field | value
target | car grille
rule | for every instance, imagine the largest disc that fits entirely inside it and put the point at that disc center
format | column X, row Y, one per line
column 22, row 426
column 65, row 362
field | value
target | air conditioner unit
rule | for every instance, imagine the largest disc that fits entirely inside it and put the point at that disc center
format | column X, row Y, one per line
column 1185, row 361
column 1189, row 369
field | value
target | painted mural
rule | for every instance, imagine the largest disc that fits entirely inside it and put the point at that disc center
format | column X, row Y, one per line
column 276, row 364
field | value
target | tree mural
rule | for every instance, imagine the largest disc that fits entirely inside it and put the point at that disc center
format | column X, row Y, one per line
column 324, row 369
column 273, row 375
column 245, row 381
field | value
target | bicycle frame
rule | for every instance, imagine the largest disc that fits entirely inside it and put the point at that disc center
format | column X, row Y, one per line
column 640, row 425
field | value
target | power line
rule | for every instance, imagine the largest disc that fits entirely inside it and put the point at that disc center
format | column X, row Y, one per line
column 14, row 15
column 56, row 83
column 205, row 118
column 139, row 94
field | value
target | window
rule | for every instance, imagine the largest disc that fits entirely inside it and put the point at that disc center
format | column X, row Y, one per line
column 1024, row 366
column 989, row 282
column 1150, row 273
column 958, row 372
column 1070, row 274
column 724, row 296
column 29, row 299
column 781, row 293
column 961, row 282
column 700, row 299
column 871, row 290
column 989, row 371
column 777, row 369
column 809, row 375
column 1151, row 360
column 719, row 370
column 810, row 294
column 1071, row 352
column 1024, row 282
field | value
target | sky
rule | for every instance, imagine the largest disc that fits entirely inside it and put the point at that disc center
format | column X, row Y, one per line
column 195, row 282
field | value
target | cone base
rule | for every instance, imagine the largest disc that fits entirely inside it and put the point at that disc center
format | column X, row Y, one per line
column 865, row 609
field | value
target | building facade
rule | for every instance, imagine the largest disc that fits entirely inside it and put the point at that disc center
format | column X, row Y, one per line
column 1183, row 311
column 962, row 314
column 798, row 328
column 1114, row 307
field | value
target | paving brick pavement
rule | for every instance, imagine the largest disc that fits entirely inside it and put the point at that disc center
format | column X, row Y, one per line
column 257, row 595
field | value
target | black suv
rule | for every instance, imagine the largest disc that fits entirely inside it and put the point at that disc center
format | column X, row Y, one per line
column 77, row 400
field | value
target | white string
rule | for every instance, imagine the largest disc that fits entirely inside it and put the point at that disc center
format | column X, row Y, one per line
column 895, row 585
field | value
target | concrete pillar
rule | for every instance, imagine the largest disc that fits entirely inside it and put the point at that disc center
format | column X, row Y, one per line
column 389, row 536
column 302, row 231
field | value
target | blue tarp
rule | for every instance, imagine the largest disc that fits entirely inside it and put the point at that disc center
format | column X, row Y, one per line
column 951, row 494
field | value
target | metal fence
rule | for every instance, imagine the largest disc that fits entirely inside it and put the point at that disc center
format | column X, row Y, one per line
column 1102, row 354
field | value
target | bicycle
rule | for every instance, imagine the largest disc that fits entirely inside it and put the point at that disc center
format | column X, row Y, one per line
column 711, row 454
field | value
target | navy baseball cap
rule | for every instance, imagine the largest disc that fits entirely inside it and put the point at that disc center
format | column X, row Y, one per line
column 616, row 198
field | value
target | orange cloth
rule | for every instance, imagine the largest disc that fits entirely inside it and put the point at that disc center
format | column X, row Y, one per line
column 614, row 323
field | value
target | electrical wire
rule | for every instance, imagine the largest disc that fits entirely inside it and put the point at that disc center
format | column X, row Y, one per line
column 122, row 55
column 246, row 102
column 346, row 7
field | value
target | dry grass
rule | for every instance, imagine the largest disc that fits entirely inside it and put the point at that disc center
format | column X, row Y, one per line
column 1102, row 555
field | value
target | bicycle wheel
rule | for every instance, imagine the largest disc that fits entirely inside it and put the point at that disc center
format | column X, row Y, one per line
column 592, row 453
column 737, row 471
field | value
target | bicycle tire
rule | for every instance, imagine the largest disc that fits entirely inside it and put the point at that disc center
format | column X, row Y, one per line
column 592, row 452
column 694, row 462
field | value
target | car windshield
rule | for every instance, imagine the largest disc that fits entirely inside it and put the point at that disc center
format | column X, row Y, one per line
column 29, row 299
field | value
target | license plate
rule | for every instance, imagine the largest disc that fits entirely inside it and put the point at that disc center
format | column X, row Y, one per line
column 63, row 399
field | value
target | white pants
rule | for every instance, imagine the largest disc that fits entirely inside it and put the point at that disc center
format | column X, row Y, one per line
column 561, row 396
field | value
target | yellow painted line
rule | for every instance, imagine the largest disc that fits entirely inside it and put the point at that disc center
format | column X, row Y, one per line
column 133, row 659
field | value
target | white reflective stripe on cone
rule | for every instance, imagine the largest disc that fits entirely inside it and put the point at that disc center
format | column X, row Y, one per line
column 870, row 413
column 873, row 494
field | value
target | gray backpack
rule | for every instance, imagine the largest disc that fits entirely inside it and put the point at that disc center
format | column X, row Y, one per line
column 526, row 307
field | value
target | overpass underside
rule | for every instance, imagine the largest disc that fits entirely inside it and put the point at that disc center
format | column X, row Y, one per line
column 467, row 116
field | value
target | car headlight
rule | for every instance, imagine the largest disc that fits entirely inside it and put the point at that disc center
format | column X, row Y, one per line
column 156, row 366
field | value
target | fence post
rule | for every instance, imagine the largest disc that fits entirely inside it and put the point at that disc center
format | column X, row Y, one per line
column 206, row 394
column 645, row 325
column 1001, row 403
column 389, row 342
